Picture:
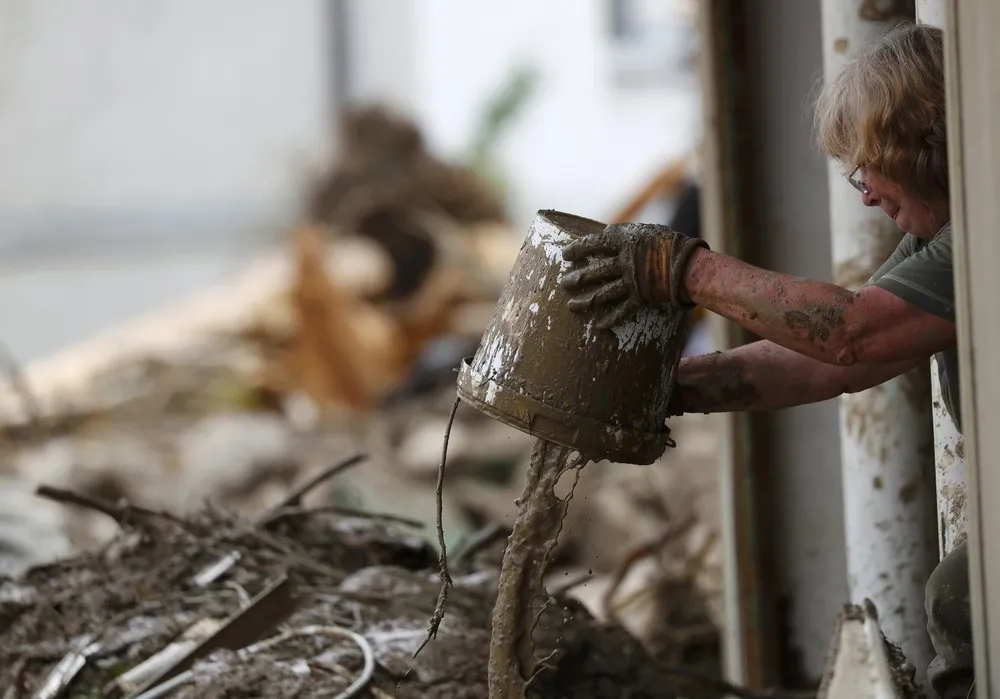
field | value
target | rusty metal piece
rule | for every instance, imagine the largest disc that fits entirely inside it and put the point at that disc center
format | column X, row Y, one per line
column 267, row 610
column 543, row 370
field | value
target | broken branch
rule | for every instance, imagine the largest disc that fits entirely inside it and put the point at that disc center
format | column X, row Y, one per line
column 446, row 581
column 120, row 512
column 295, row 495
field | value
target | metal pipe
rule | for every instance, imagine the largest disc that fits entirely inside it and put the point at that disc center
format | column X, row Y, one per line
column 886, row 442
column 949, row 446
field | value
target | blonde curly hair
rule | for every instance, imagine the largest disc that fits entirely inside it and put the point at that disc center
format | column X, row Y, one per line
column 885, row 112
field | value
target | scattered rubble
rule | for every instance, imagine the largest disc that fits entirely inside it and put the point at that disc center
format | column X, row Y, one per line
column 346, row 342
column 348, row 585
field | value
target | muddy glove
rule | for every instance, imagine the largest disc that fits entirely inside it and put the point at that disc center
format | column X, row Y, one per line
column 625, row 267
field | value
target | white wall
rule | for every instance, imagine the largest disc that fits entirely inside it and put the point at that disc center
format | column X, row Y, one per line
column 160, row 119
column 380, row 38
column 583, row 145
column 145, row 149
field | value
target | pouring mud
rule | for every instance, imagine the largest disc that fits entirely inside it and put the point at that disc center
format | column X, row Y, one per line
column 521, row 595
column 585, row 394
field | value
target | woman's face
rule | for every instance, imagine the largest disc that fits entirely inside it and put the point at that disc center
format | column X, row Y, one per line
column 915, row 216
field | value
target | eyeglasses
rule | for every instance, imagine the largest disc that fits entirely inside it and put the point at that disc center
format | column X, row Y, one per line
column 859, row 185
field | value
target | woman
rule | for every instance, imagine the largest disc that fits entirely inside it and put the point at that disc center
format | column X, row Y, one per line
column 883, row 119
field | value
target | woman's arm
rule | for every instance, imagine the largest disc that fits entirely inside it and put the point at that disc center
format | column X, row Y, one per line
column 820, row 320
column 766, row 376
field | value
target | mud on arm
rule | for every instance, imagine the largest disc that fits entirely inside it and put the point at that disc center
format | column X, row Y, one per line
column 766, row 376
column 820, row 320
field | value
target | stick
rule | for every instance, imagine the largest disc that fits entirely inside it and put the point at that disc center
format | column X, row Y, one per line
column 118, row 512
column 446, row 581
column 295, row 495
column 289, row 503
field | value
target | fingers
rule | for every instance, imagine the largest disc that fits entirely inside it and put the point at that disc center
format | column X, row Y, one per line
column 603, row 270
column 594, row 245
column 617, row 314
column 612, row 293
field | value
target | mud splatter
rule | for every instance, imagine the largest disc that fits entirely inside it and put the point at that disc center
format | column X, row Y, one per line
column 720, row 386
column 816, row 321
column 865, row 421
column 645, row 327
column 908, row 493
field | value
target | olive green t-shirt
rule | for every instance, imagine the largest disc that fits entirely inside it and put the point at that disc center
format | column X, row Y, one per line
column 920, row 272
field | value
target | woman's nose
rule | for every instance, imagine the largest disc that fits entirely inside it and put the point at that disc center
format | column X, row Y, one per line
column 869, row 199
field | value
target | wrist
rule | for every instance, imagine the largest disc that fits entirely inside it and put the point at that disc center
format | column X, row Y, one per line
column 694, row 280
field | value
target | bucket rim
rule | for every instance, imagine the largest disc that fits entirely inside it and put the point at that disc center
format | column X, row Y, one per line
column 593, row 439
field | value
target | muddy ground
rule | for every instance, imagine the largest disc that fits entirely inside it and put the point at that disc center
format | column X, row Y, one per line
column 373, row 577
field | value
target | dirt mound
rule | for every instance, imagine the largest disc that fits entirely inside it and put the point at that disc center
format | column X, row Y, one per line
column 314, row 591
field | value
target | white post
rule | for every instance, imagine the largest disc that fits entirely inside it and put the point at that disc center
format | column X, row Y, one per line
column 931, row 12
column 949, row 447
column 886, row 442
column 949, row 472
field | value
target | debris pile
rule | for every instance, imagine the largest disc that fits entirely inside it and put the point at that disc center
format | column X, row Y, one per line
column 295, row 602
column 346, row 342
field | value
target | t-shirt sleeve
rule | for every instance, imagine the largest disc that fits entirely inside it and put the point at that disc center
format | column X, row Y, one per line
column 905, row 248
column 924, row 277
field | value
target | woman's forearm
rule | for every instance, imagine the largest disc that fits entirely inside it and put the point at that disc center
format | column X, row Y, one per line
column 814, row 318
column 766, row 376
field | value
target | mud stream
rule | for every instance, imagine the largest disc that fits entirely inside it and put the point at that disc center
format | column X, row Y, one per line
column 521, row 595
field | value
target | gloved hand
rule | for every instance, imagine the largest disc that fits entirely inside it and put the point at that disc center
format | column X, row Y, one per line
column 626, row 267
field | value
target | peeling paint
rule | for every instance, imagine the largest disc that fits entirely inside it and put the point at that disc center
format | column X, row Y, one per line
column 644, row 328
column 949, row 472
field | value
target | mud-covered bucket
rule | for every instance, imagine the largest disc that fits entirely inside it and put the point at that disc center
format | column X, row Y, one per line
column 548, row 372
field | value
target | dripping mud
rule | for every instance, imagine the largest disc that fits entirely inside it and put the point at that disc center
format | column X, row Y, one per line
column 599, row 663
column 521, row 595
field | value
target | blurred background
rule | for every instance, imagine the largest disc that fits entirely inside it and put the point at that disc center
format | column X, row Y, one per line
column 242, row 239
column 152, row 149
